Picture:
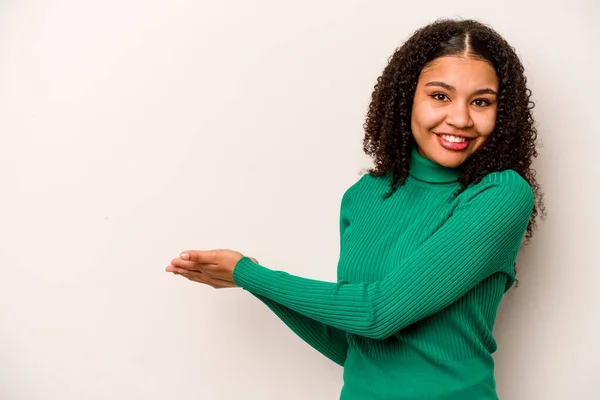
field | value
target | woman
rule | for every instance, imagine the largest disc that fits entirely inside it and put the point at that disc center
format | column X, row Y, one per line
column 429, row 237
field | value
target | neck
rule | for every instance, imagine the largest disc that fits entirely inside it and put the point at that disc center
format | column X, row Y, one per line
column 429, row 171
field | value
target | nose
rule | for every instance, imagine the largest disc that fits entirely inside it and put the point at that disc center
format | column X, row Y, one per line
column 459, row 115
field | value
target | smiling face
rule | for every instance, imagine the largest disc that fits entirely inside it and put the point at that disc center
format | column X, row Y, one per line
column 454, row 108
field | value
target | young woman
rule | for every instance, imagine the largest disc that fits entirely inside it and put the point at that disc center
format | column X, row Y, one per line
column 429, row 237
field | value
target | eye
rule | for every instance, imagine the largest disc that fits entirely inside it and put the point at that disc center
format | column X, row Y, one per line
column 439, row 97
column 481, row 102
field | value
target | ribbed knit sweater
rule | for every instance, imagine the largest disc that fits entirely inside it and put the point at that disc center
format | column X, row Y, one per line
column 420, row 277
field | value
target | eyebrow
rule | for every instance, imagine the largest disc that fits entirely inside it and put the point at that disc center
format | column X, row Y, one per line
column 453, row 89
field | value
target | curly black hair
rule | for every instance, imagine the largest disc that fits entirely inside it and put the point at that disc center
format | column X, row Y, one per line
column 512, row 144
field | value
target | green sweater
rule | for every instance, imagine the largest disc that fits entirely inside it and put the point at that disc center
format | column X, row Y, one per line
column 420, row 278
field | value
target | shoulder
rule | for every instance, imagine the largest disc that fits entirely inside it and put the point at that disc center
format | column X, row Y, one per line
column 366, row 182
column 502, row 189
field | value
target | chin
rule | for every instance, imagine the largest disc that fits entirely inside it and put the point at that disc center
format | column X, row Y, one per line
column 452, row 164
column 450, row 160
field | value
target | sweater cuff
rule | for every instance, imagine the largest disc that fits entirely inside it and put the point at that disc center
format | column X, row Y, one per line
column 246, row 274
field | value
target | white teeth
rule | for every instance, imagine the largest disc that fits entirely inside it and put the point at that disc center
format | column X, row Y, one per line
column 454, row 139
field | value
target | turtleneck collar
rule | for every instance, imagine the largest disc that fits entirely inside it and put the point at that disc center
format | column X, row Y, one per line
column 426, row 170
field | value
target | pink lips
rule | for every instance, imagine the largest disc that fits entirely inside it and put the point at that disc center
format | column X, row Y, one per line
column 453, row 145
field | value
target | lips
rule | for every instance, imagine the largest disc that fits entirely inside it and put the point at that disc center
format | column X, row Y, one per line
column 453, row 142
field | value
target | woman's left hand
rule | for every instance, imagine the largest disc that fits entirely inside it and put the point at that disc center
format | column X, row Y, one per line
column 211, row 267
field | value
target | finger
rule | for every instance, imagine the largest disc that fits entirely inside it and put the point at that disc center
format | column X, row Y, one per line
column 201, row 256
column 177, row 270
column 178, row 262
column 171, row 268
column 254, row 260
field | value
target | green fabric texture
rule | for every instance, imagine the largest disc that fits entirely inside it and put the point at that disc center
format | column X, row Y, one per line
column 420, row 277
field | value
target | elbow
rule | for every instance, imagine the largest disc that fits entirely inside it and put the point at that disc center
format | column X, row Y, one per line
column 377, row 335
column 340, row 361
column 387, row 315
column 381, row 330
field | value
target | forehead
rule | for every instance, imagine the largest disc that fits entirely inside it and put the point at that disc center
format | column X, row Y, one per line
column 460, row 71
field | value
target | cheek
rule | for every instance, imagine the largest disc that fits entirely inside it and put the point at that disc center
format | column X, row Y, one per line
column 424, row 117
column 486, row 123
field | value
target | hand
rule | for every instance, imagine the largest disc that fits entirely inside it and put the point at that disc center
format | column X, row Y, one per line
column 211, row 267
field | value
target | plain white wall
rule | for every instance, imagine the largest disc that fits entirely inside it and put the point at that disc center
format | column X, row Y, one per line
column 132, row 130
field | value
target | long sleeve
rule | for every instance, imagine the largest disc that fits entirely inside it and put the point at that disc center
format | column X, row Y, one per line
column 480, row 238
column 329, row 341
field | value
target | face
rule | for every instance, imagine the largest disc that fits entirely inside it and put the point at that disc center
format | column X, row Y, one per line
column 454, row 108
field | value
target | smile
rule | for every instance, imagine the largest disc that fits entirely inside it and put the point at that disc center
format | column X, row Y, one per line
column 454, row 143
column 454, row 139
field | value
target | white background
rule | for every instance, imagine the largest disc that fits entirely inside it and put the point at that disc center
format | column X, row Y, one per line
column 132, row 130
